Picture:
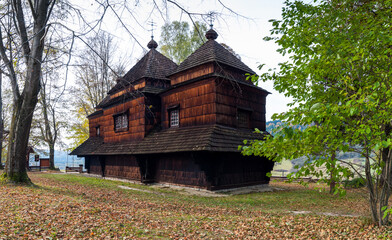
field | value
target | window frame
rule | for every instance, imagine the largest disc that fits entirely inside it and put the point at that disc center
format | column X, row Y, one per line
column 98, row 131
column 241, row 113
column 171, row 110
column 124, row 119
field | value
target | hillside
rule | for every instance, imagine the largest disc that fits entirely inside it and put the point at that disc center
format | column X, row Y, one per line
column 282, row 169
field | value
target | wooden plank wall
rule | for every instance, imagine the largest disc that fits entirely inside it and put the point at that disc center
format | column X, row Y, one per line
column 196, row 101
column 135, row 86
column 192, row 73
column 94, row 166
column 44, row 162
column 231, row 95
column 136, row 124
column 122, row 166
column 153, row 112
column 179, row 169
column 159, row 83
column 236, row 170
column 93, row 123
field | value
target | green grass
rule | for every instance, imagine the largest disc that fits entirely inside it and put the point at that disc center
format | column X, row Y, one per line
column 291, row 199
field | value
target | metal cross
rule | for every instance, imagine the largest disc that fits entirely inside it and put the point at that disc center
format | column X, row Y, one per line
column 211, row 18
column 152, row 28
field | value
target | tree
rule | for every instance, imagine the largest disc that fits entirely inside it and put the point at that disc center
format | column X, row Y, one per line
column 98, row 67
column 178, row 41
column 1, row 120
column 31, row 31
column 49, row 117
column 338, row 75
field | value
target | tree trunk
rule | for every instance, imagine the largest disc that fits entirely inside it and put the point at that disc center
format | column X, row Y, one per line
column 372, row 189
column 332, row 182
column 51, row 156
column 22, row 116
column 1, row 123
column 25, row 102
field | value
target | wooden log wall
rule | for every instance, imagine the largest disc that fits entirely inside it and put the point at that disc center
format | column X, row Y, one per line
column 94, row 121
column 94, row 165
column 196, row 102
column 122, row 166
column 231, row 96
column 179, row 169
column 136, row 121
column 192, row 73
column 153, row 112
column 231, row 73
column 235, row 170
column 135, row 86
column 159, row 83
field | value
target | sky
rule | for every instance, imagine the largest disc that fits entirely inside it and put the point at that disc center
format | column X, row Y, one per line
column 243, row 35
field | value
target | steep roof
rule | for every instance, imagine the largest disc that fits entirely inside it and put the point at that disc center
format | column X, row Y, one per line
column 152, row 65
column 204, row 138
column 211, row 51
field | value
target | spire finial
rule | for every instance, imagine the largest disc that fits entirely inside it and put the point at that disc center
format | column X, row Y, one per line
column 152, row 44
column 211, row 19
column 152, row 28
column 211, row 34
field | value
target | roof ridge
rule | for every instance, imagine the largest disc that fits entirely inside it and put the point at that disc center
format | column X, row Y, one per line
column 212, row 51
column 152, row 65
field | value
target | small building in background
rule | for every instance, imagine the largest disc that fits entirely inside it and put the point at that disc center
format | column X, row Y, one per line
column 34, row 161
column 180, row 124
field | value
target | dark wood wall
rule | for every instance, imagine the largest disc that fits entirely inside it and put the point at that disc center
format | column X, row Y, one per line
column 230, row 170
column 136, row 121
column 180, row 169
column 232, row 97
column 93, row 165
column 209, row 170
column 196, row 102
column 122, row 166
column 192, row 73
column 152, row 112
column 215, row 100
column 94, row 122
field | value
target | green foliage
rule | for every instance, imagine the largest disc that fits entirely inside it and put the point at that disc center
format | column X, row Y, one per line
column 178, row 41
column 354, row 183
column 338, row 75
column 79, row 130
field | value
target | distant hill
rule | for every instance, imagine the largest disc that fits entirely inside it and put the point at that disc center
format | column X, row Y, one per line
column 288, row 166
column 272, row 125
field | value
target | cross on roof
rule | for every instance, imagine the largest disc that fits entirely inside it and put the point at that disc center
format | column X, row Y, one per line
column 152, row 28
column 211, row 18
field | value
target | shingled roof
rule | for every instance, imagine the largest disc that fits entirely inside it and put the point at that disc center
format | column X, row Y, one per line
column 89, row 146
column 211, row 51
column 152, row 65
column 216, row 138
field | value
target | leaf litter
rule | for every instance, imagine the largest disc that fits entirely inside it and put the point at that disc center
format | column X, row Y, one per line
column 60, row 209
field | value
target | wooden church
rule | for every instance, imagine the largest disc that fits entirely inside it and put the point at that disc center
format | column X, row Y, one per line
column 180, row 124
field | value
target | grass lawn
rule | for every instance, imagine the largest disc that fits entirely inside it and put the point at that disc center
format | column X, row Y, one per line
column 69, row 206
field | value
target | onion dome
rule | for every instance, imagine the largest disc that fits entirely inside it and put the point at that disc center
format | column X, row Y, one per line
column 152, row 44
column 211, row 34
